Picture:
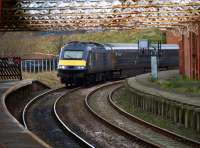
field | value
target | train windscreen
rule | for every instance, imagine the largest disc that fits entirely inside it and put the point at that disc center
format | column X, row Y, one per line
column 72, row 54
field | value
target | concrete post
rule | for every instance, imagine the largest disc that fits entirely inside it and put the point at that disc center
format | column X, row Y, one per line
column 198, row 120
column 162, row 109
column 186, row 118
column 192, row 120
column 180, row 114
column 175, row 113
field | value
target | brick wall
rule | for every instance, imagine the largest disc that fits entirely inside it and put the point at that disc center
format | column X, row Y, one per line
column 190, row 55
column 171, row 38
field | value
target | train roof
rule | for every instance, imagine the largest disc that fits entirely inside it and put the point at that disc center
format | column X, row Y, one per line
column 83, row 44
column 129, row 46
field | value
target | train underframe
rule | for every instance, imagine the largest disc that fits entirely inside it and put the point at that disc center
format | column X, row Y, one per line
column 76, row 78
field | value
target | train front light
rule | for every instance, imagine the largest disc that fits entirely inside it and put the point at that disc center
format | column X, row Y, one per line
column 61, row 67
column 81, row 67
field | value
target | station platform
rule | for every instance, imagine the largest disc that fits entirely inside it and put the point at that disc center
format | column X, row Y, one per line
column 181, row 108
column 12, row 133
column 143, row 84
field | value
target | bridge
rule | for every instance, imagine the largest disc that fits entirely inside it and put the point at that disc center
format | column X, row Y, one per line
column 62, row 15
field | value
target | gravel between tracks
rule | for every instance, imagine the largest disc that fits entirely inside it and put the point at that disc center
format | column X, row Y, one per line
column 100, row 104
column 41, row 122
column 74, row 113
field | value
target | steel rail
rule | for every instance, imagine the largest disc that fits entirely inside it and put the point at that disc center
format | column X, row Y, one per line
column 32, row 101
column 87, row 144
column 115, row 127
column 65, row 127
column 163, row 131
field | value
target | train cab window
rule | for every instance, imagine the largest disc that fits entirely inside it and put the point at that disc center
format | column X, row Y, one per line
column 72, row 54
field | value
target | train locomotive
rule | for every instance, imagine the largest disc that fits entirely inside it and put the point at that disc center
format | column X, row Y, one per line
column 88, row 62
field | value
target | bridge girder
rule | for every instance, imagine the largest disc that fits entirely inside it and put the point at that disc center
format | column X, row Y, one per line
column 43, row 15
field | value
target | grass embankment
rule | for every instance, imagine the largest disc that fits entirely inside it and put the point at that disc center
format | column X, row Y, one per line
column 180, row 84
column 22, row 43
column 48, row 78
column 123, row 100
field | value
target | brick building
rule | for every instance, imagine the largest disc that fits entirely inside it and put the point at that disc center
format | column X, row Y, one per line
column 190, row 55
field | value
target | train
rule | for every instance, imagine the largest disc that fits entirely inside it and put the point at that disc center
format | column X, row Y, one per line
column 89, row 62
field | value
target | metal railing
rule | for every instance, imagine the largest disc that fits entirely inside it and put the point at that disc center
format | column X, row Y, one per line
column 39, row 65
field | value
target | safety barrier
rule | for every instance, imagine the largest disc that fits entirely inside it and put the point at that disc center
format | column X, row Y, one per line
column 39, row 65
column 10, row 68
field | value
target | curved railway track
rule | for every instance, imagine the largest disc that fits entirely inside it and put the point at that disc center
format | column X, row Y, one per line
column 74, row 113
column 98, row 103
column 163, row 131
column 40, row 117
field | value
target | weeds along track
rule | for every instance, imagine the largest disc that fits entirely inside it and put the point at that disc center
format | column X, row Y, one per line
column 40, row 117
column 100, row 103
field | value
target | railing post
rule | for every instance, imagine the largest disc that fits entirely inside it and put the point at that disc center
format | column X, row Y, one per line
column 50, row 60
column 54, row 64
column 25, row 66
column 46, row 65
column 42, row 65
column 38, row 65
column 34, row 65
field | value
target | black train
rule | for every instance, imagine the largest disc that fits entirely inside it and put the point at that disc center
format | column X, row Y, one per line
column 86, row 62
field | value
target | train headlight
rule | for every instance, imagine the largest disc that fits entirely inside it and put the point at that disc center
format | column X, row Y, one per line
column 61, row 67
column 80, row 67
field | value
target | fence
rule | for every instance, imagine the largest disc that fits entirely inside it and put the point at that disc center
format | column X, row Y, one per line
column 39, row 65
column 10, row 68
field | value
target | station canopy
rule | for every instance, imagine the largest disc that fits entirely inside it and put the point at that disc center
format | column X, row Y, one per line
column 62, row 15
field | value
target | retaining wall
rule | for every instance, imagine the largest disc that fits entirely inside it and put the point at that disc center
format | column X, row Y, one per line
column 160, row 105
column 17, row 99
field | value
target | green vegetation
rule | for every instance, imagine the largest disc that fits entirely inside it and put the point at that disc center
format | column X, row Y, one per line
column 123, row 100
column 48, row 78
column 180, row 84
column 21, row 43
column 117, row 36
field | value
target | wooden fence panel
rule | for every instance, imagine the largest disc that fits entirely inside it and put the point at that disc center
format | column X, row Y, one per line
column 10, row 68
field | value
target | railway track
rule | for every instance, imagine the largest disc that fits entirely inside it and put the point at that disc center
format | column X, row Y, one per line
column 40, row 117
column 99, row 103
column 74, row 113
column 162, row 131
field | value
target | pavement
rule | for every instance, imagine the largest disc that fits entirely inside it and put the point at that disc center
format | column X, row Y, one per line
column 12, row 133
column 142, row 84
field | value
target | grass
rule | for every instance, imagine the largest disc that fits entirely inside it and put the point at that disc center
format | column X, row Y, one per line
column 180, row 84
column 48, row 78
column 21, row 43
column 123, row 100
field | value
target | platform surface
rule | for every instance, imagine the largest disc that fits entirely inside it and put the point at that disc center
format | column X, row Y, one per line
column 12, row 133
column 142, row 83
